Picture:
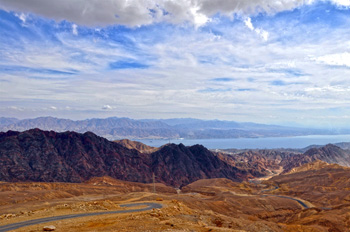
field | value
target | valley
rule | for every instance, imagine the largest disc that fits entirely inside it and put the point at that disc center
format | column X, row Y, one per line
column 174, row 116
column 65, row 175
column 297, row 204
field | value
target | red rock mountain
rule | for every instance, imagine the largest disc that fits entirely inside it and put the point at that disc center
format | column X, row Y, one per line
column 261, row 161
column 143, row 148
column 47, row 156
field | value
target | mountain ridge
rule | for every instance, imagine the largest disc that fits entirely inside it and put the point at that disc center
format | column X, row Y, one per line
column 37, row 155
column 48, row 156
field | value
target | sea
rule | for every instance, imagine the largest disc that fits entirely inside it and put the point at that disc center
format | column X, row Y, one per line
column 294, row 142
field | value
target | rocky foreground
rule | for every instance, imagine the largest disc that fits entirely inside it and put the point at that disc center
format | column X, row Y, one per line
column 44, row 174
column 314, row 197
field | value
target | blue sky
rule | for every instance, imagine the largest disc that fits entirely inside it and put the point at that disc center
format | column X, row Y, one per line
column 279, row 62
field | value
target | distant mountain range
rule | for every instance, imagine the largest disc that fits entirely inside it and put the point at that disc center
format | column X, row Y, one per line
column 48, row 156
column 119, row 128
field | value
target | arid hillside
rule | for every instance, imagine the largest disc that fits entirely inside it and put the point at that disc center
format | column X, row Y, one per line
column 47, row 156
column 288, row 202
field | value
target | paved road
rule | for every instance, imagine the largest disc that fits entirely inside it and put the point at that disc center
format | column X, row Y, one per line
column 280, row 196
column 291, row 198
column 56, row 218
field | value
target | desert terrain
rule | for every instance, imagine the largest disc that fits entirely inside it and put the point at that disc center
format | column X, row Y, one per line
column 295, row 201
column 87, row 183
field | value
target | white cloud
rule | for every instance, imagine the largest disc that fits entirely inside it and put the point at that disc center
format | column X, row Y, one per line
column 74, row 29
column 22, row 17
column 338, row 59
column 53, row 107
column 344, row 3
column 262, row 33
column 199, row 19
column 15, row 108
column 248, row 23
column 107, row 107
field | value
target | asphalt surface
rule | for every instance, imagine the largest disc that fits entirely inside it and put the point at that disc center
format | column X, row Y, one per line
column 291, row 198
column 62, row 217
column 286, row 197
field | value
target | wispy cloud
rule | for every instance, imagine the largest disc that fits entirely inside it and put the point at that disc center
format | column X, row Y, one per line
column 107, row 107
column 262, row 33
column 176, row 59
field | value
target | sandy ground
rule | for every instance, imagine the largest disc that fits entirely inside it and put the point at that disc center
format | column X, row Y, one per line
column 206, row 205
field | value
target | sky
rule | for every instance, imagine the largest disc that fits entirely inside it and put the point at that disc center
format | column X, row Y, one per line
column 283, row 62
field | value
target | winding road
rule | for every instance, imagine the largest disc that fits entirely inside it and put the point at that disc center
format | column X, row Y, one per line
column 291, row 198
column 286, row 197
column 17, row 225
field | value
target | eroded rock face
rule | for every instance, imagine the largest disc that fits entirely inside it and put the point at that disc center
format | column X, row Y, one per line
column 47, row 156
column 181, row 165
column 143, row 148
column 259, row 162
column 329, row 153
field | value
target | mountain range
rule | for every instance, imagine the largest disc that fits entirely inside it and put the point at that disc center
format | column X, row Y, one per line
column 119, row 128
column 48, row 156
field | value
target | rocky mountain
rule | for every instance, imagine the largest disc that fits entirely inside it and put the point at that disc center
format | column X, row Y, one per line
column 7, row 121
column 270, row 160
column 317, row 181
column 48, row 156
column 330, row 154
column 119, row 128
column 37, row 155
column 143, row 148
column 179, row 164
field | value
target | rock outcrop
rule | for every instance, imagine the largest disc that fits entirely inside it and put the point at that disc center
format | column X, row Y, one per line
column 143, row 148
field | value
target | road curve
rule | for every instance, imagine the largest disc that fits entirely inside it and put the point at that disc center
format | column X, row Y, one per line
column 14, row 226
column 287, row 197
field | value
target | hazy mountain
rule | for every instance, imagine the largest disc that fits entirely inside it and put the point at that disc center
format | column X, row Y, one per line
column 7, row 121
column 112, row 128
column 120, row 128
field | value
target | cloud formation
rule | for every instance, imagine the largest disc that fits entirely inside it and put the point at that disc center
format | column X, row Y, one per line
column 338, row 59
column 214, row 59
column 144, row 12
column 262, row 33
